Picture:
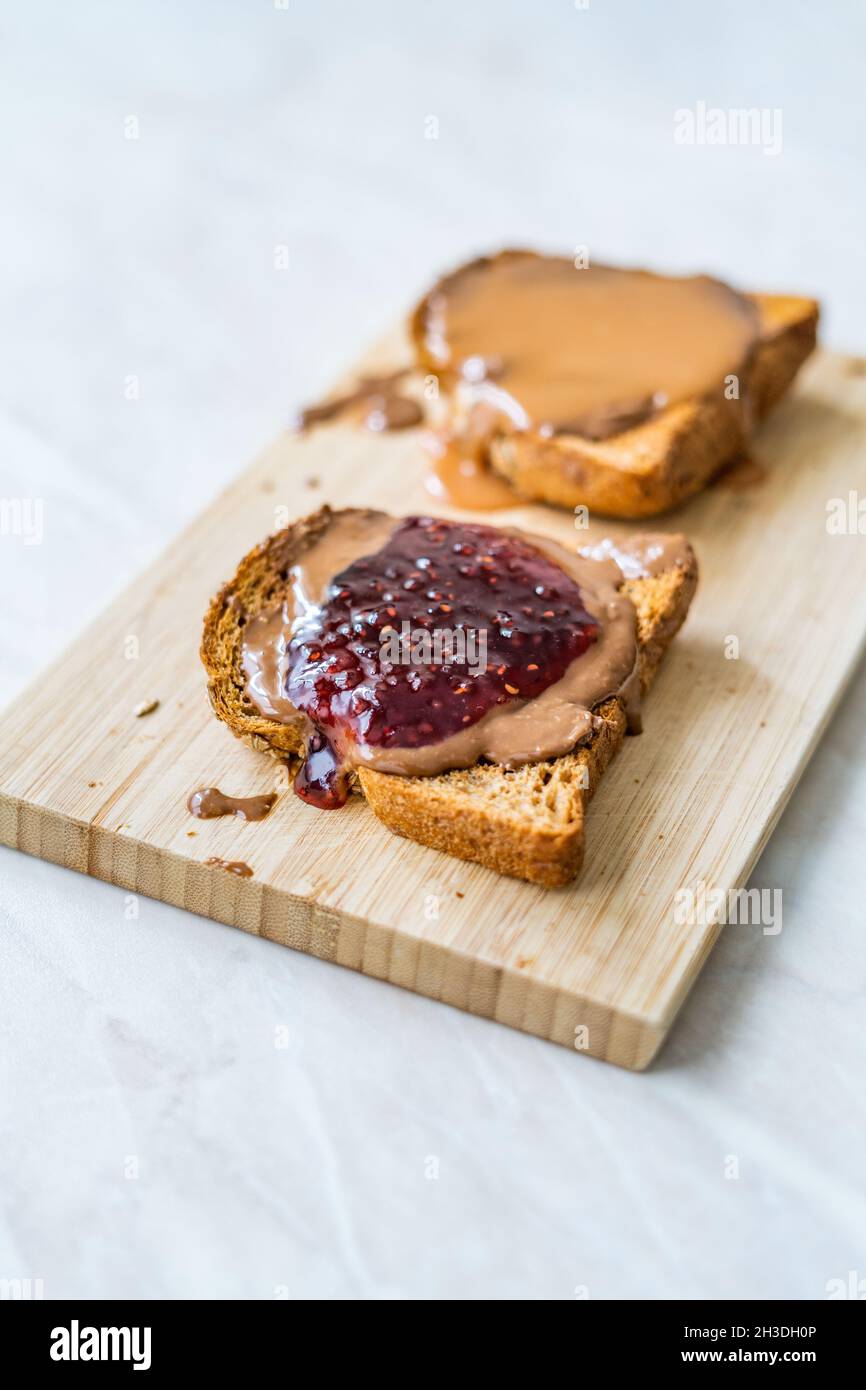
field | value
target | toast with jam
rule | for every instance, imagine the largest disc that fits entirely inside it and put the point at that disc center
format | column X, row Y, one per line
column 472, row 682
column 618, row 390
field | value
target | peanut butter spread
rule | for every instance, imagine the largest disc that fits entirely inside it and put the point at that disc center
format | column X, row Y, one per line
column 588, row 351
column 561, row 633
column 378, row 401
column 208, row 803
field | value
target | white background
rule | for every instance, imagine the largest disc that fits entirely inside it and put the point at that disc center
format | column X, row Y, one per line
column 302, row 1171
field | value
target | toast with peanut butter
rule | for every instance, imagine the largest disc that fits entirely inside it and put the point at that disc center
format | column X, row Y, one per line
column 471, row 682
column 621, row 391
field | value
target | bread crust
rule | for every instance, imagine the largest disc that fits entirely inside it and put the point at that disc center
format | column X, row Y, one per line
column 658, row 464
column 527, row 823
column 258, row 581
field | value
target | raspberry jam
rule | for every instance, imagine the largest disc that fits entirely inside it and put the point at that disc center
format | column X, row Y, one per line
column 423, row 638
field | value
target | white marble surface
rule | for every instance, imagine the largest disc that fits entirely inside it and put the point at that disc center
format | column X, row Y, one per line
column 303, row 1171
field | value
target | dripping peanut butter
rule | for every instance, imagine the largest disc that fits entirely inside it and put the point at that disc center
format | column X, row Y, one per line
column 377, row 401
column 209, row 803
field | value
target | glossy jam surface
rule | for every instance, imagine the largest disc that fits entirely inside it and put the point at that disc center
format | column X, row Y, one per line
column 425, row 637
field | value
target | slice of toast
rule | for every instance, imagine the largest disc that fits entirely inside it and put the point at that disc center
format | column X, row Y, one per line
column 529, row 822
column 657, row 464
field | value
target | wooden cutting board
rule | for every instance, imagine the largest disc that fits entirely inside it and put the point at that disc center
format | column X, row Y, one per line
column 601, row 966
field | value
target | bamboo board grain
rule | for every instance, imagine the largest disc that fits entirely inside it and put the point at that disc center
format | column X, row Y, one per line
column 603, row 963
